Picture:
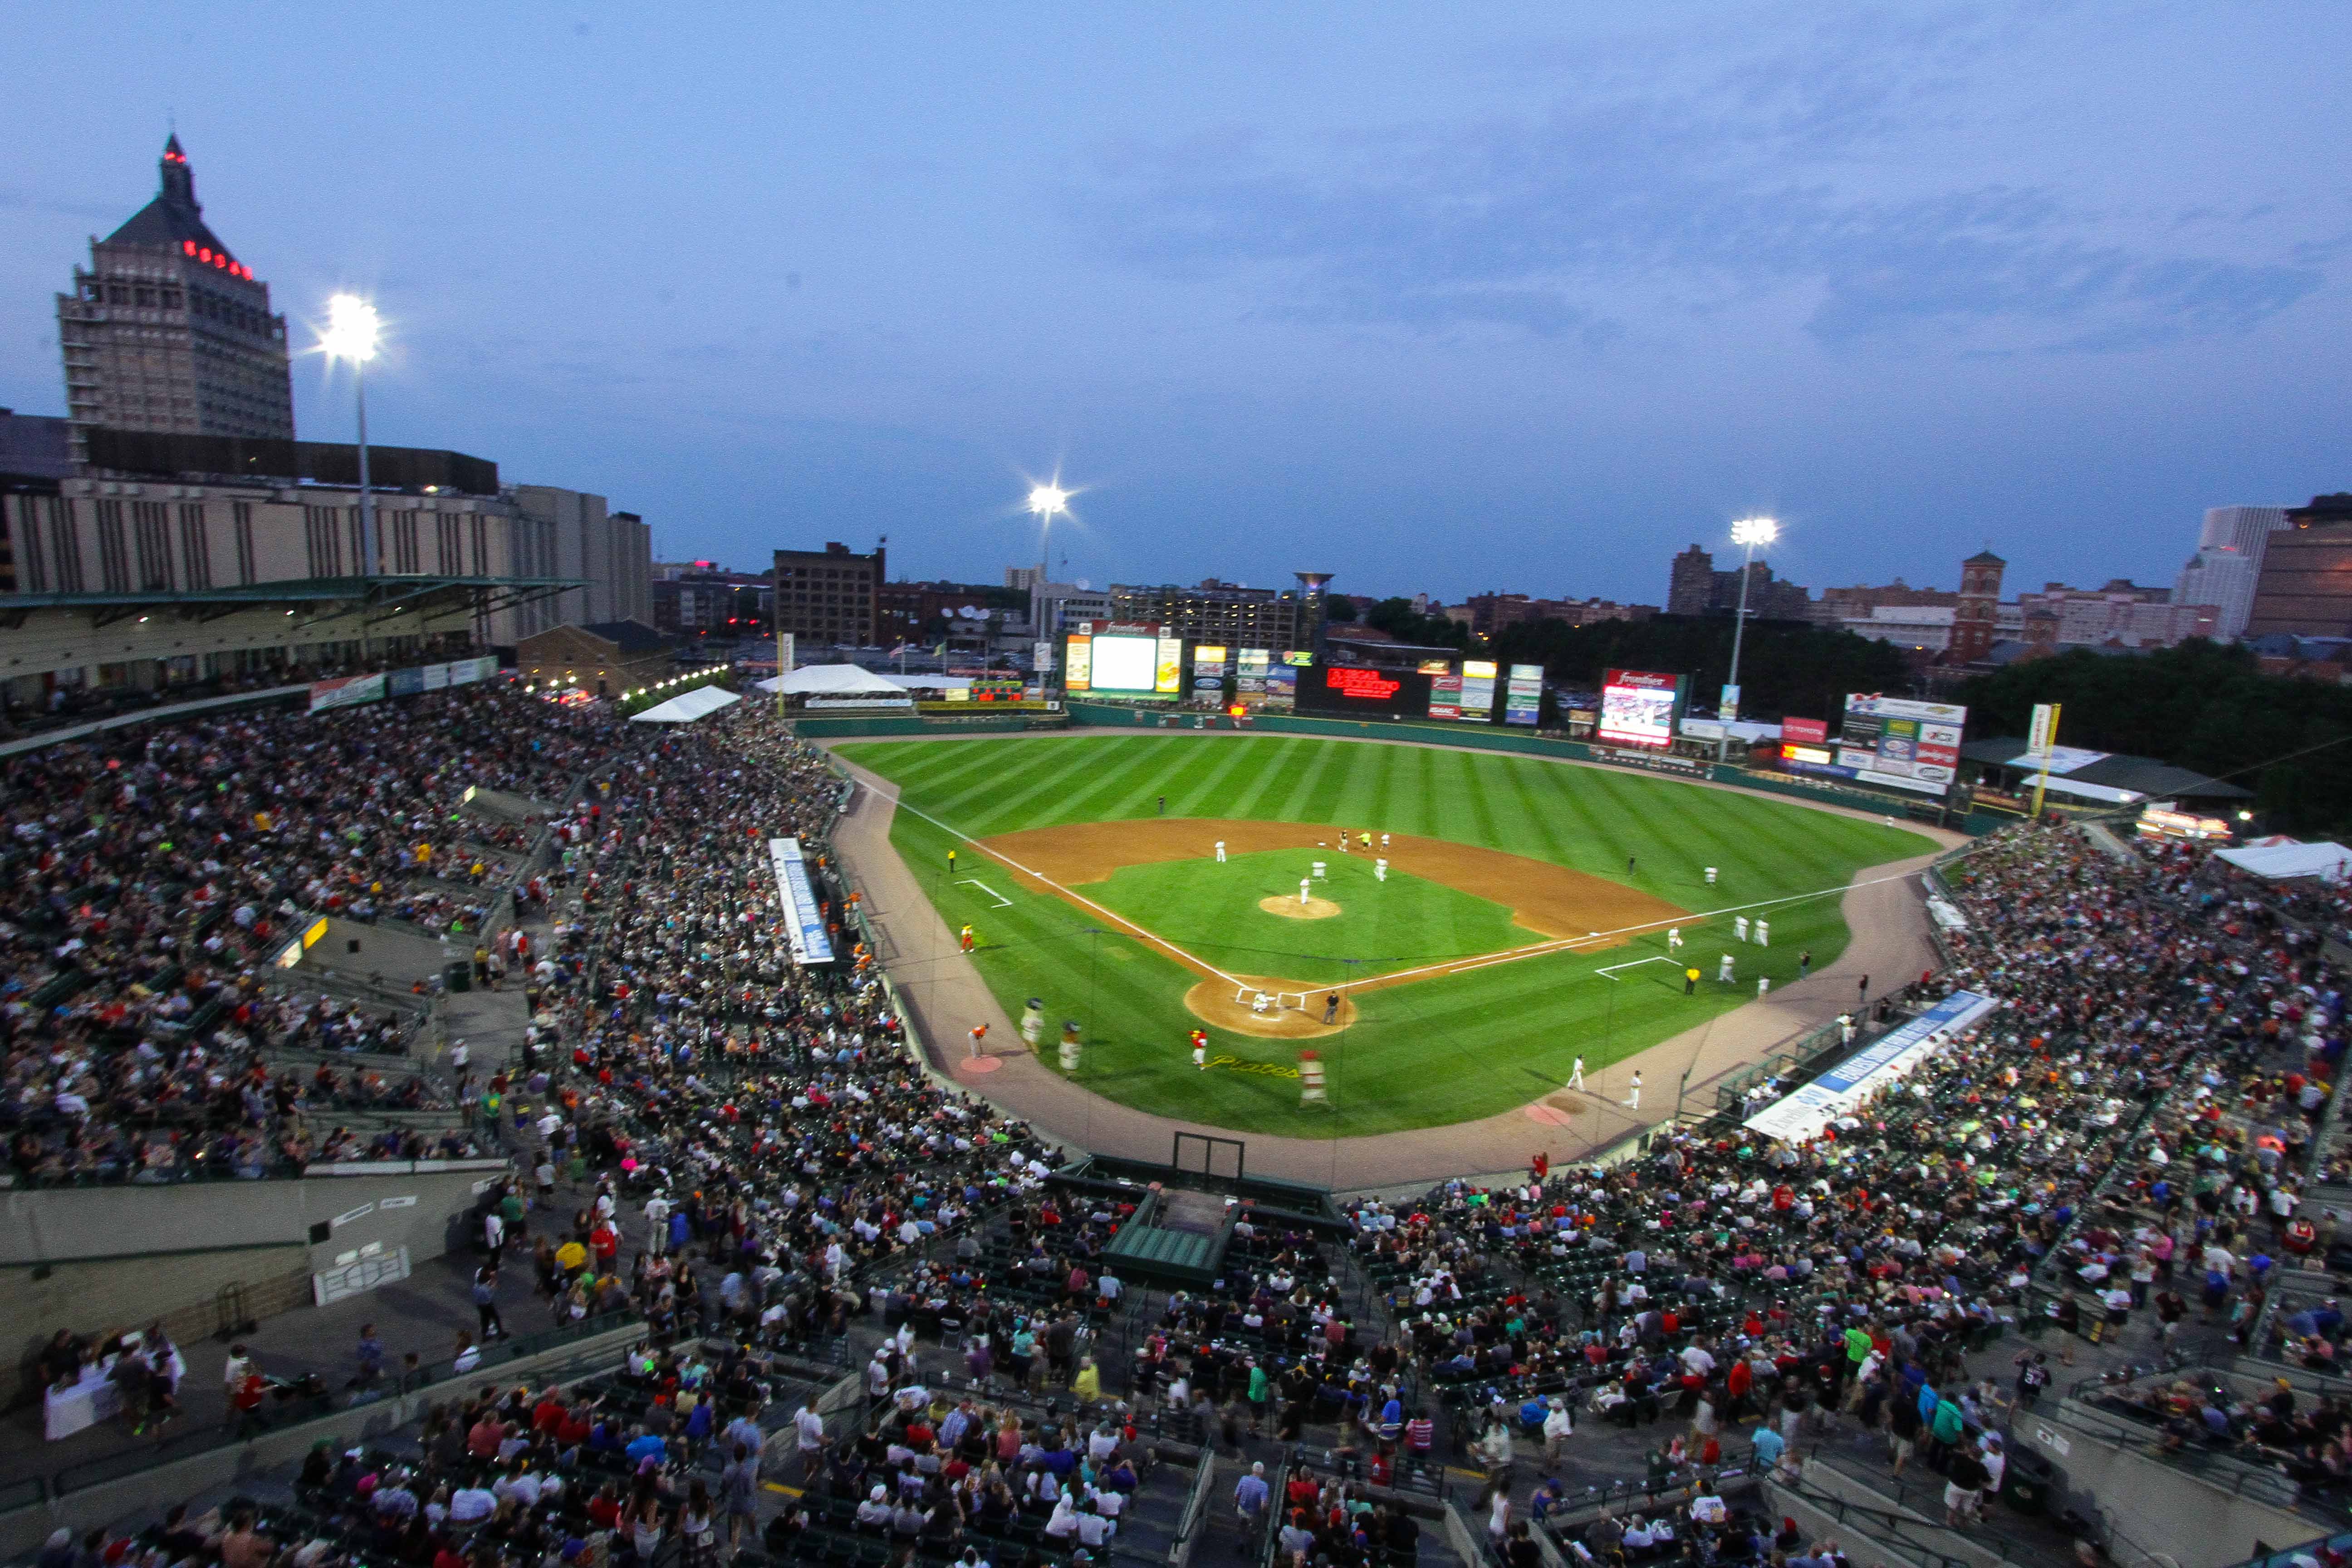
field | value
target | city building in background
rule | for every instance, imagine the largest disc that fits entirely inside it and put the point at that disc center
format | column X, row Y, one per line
column 703, row 599
column 34, row 446
column 2121, row 614
column 830, row 597
column 167, row 330
column 609, row 658
column 1976, row 613
column 610, row 552
column 1057, row 609
column 2227, row 564
column 1693, row 587
column 931, row 612
column 153, row 581
column 2305, row 585
column 1489, row 613
column 1221, row 613
column 1837, row 605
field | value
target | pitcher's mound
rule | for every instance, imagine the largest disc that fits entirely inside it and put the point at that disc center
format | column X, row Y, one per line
column 1291, row 908
column 1212, row 1002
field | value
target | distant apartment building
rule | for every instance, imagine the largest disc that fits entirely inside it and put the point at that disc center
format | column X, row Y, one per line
column 2305, row 585
column 1693, row 587
column 830, row 597
column 1922, row 628
column 1226, row 613
column 925, row 612
column 2121, row 614
column 1487, row 614
column 1839, row 604
column 704, row 599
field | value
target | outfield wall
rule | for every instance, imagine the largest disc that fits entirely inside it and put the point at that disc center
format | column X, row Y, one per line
column 1473, row 737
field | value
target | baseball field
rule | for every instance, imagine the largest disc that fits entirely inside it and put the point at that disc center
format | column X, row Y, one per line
column 1506, row 915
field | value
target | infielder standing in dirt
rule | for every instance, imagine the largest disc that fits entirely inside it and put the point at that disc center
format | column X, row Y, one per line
column 1221, row 851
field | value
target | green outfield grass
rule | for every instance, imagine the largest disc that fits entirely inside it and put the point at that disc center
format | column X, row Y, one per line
column 1212, row 912
column 1420, row 1053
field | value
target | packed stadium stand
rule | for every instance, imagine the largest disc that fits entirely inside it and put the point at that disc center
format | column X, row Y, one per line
column 735, row 1274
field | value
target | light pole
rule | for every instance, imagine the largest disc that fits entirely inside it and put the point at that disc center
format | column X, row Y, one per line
column 352, row 328
column 1747, row 532
column 1045, row 502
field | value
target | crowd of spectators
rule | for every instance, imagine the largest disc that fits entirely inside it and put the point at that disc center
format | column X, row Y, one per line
column 2122, row 1141
column 760, row 1117
column 150, row 877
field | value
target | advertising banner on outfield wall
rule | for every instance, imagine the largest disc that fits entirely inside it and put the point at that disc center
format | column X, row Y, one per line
column 1880, row 1065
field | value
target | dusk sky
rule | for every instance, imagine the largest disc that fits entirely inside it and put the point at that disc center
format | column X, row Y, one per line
column 1437, row 298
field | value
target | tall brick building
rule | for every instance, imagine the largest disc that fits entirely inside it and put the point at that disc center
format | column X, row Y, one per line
column 1977, row 615
column 167, row 330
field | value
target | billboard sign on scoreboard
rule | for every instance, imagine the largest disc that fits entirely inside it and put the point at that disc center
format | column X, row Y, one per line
column 1123, row 659
column 1347, row 691
column 1900, row 743
column 1640, row 708
column 1523, row 698
column 1805, row 731
column 1478, row 690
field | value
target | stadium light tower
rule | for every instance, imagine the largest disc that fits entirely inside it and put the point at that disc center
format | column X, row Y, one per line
column 352, row 331
column 1747, row 532
column 1048, row 501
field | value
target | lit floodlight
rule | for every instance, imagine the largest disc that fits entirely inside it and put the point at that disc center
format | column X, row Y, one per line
column 352, row 328
column 1046, row 500
column 1755, row 531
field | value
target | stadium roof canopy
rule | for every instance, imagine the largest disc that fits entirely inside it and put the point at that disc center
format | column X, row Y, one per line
column 687, row 706
column 831, row 680
column 2109, row 776
column 2288, row 862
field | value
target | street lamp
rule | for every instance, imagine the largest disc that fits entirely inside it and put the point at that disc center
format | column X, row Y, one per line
column 353, row 330
column 1747, row 532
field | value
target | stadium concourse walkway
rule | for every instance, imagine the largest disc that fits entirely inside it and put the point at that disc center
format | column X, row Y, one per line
column 944, row 997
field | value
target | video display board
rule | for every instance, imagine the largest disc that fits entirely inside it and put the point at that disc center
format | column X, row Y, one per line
column 1346, row 691
column 1898, row 742
column 1123, row 659
column 1523, row 698
column 1640, row 708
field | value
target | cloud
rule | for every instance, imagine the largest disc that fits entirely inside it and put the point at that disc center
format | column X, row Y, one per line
column 1663, row 200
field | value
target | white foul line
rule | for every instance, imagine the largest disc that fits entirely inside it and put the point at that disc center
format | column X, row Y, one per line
column 1612, row 968
column 1111, row 915
column 1002, row 901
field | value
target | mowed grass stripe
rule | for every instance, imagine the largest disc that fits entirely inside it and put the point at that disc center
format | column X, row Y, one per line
column 1013, row 802
column 1278, row 767
column 1207, row 796
column 1107, row 794
column 974, row 789
column 1297, row 805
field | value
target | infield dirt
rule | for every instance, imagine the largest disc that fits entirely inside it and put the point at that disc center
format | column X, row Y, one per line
column 1548, row 899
